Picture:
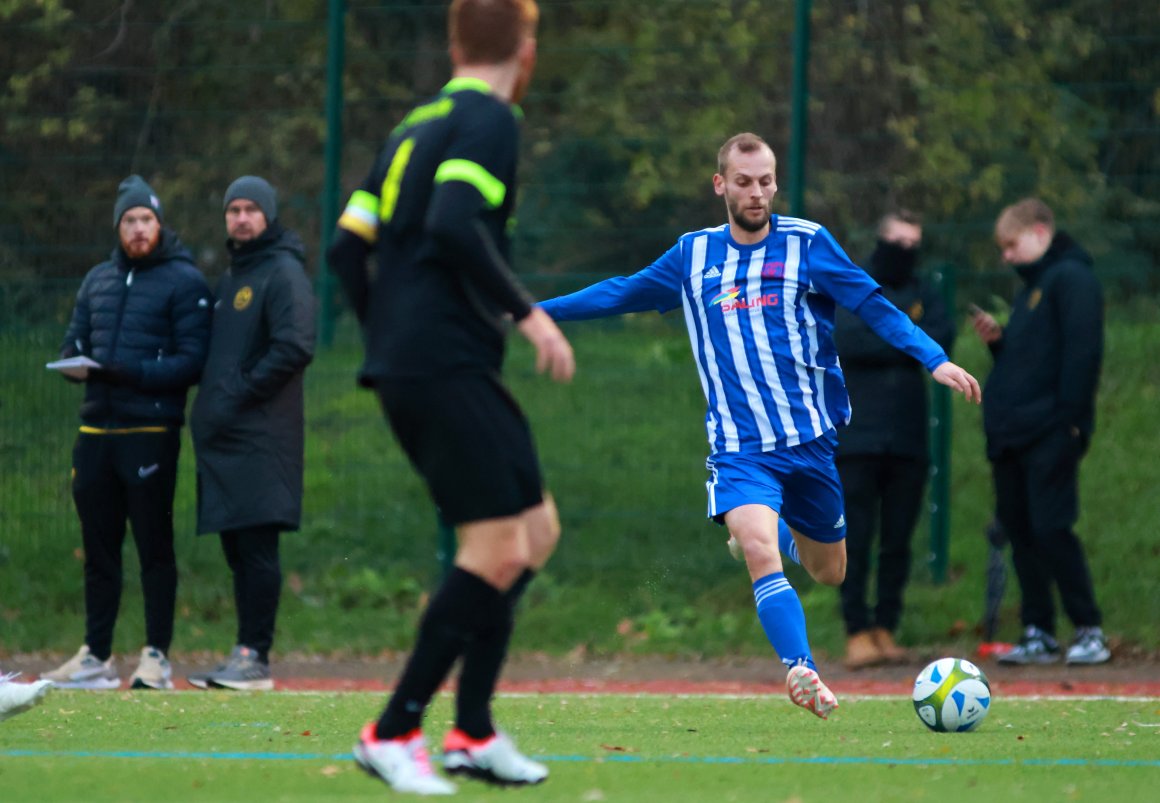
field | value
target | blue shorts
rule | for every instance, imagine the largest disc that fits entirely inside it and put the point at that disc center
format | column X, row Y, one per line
column 800, row 483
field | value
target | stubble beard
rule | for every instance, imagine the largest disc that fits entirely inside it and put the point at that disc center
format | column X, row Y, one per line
column 738, row 213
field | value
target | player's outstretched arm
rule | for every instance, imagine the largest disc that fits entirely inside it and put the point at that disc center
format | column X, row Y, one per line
column 958, row 380
column 553, row 351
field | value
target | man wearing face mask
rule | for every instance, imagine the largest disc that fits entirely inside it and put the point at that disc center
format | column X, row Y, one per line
column 882, row 454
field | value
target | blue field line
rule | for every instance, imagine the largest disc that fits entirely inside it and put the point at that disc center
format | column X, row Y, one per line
column 621, row 759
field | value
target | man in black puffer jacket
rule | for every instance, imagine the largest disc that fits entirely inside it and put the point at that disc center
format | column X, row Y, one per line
column 248, row 419
column 144, row 316
column 882, row 453
column 1038, row 415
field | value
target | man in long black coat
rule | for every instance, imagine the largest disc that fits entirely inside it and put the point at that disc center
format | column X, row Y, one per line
column 882, row 454
column 248, row 421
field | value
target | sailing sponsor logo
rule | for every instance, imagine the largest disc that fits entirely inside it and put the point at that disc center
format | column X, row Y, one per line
column 730, row 300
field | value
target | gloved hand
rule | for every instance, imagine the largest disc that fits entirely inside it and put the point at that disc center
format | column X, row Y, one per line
column 118, row 373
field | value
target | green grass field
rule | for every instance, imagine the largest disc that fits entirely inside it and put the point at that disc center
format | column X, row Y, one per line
column 639, row 569
column 197, row 746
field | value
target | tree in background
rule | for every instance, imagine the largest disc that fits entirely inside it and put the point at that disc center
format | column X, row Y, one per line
column 956, row 108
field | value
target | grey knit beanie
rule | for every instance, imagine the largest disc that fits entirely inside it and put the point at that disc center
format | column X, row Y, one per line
column 134, row 192
column 256, row 189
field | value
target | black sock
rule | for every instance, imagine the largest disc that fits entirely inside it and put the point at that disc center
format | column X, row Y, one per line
column 464, row 605
column 482, row 662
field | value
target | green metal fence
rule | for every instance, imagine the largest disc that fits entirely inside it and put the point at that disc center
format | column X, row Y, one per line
column 952, row 109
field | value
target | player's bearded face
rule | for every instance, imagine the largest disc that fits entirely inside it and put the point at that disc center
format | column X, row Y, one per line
column 749, row 212
column 748, row 186
column 140, row 231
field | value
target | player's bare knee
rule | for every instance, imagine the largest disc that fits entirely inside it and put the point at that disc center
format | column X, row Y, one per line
column 831, row 573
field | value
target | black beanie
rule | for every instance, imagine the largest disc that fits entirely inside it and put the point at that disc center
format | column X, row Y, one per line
column 256, row 189
column 133, row 192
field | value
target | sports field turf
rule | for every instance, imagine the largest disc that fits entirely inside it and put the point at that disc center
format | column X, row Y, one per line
column 205, row 746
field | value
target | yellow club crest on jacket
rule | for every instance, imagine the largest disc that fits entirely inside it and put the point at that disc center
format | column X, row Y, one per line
column 1036, row 296
column 243, row 298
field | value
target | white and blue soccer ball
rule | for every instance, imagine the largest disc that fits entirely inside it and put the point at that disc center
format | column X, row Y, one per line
column 951, row 695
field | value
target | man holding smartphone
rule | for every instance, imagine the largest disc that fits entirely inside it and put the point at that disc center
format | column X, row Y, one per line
column 1039, row 415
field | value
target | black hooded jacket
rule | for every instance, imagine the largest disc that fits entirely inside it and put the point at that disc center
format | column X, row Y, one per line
column 151, row 315
column 887, row 387
column 248, row 418
column 1047, row 363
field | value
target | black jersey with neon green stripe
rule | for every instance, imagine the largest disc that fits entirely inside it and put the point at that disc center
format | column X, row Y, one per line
column 435, row 210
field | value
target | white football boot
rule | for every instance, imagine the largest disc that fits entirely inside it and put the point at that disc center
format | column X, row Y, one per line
column 16, row 698
column 494, row 760
column 807, row 690
column 403, row 764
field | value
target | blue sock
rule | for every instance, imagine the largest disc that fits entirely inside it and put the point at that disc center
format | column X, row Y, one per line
column 780, row 612
column 785, row 542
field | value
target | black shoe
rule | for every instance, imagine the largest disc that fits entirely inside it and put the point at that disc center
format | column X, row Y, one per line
column 1036, row 647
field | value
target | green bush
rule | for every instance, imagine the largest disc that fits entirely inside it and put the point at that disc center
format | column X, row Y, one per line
column 639, row 568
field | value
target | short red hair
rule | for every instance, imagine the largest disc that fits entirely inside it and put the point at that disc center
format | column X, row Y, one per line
column 490, row 31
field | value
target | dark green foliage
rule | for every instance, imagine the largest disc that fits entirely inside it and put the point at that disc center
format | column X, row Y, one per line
column 955, row 109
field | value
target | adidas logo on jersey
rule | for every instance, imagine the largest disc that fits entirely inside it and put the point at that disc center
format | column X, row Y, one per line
column 712, row 273
column 841, row 522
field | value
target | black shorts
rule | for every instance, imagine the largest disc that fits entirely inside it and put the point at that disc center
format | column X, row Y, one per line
column 469, row 440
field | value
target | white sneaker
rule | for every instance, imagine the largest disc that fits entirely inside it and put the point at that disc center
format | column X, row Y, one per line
column 403, row 764
column 807, row 690
column 85, row 671
column 16, row 698
column 1090, row 647
column 153, row 671
column 494, row 760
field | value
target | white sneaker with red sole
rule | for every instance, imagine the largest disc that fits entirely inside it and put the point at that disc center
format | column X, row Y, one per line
column 494, row 760
column 403, row 763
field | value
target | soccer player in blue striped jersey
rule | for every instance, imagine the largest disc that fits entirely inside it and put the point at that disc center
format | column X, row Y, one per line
column 758, row 296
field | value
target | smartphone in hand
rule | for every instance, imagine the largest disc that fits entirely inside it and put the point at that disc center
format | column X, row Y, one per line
column 975, row 310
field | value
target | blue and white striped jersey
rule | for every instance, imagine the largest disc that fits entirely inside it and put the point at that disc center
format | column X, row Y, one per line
column 760, row 320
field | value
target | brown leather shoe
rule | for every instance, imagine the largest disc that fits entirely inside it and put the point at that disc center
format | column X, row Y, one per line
column 891, row 652
column 861, row 651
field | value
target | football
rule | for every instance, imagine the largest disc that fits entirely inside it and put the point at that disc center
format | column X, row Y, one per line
column 951, row 695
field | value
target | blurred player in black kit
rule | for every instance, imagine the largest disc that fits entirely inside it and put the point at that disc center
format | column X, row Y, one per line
column 434, row 210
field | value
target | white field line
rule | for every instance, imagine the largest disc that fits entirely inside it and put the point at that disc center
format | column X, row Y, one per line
column 1059, row 698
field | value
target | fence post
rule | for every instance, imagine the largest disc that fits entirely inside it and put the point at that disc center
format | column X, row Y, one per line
column 799, row 114
column 335, row 63
column 940, row 449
